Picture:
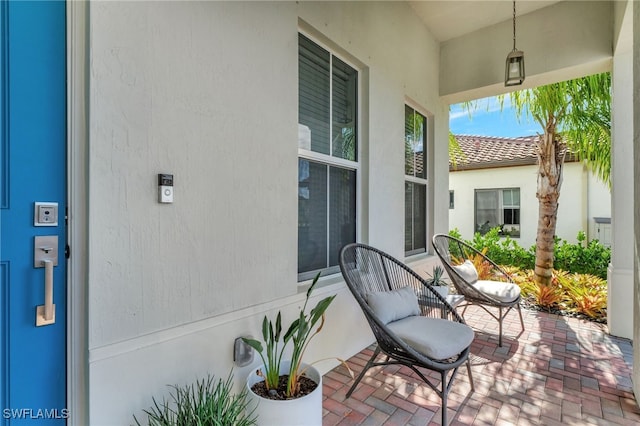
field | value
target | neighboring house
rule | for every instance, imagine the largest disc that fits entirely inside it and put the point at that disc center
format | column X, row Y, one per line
column 283, row 125
column 495, row 182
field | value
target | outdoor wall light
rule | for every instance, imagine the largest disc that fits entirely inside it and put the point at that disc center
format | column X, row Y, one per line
column 514, row 67
column 242, row 353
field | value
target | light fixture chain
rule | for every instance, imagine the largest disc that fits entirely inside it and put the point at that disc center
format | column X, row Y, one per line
column 514, row 24
column 514, row 66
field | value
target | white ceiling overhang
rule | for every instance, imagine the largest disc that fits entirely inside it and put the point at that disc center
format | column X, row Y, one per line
column 449, row 19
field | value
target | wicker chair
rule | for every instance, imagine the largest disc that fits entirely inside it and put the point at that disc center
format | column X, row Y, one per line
column 424, row 332
column 478, row 279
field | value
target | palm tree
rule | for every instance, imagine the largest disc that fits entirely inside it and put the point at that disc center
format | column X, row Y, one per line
column 455, row 151
column 575, row 115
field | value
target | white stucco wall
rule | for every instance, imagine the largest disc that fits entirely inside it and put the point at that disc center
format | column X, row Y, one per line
column 171, row 94
column 620, row 273
column 634, row 11
column 207, row 91
column 582, row 197
column 598, row 205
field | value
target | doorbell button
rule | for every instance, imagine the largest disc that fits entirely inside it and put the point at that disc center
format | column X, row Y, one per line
column 165, row 188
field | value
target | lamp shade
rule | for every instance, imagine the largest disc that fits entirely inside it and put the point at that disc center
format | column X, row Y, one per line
column 514, row 68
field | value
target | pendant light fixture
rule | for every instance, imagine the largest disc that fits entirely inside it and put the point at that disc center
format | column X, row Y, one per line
column 514, row 68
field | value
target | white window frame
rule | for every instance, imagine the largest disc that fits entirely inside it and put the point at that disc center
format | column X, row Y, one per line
column 332, row 161
column 421, row 181
column 501, row 207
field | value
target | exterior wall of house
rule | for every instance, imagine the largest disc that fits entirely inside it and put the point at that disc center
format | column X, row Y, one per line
column 620, row 273
column 635, row 12
column 582, row 197
column 585, row 28
column 207, row 91
column 598, row 206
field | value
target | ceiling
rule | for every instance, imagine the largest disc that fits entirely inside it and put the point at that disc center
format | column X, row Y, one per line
column 449, row 19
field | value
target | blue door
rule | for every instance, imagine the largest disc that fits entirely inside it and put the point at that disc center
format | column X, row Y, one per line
column 33, row 205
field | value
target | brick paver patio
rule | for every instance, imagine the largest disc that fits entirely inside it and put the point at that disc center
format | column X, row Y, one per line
column 559, row 371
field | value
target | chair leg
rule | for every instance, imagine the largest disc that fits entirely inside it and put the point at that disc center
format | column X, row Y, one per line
column 464, row 310
column 444, row 398
column 473, row 388
column 364, row 370
column 521, row 320
column 500, row 327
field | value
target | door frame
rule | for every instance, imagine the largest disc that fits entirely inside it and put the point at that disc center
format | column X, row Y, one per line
column 77, row 13
column 76, row 148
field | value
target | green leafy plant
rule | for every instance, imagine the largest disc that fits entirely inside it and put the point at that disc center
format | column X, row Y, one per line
column 578, row 282
column 436, row 278
column 545, row 296
column 206, row 402
column 586, row 294
column 585, row 258
column 503, row 250
column 568, row 292
column 299, row 333
column 272, row 354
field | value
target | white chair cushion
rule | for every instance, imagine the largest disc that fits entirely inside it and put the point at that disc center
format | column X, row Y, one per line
column 504, row 292
column 434, row 337
column 394, row 305
column 467, row 271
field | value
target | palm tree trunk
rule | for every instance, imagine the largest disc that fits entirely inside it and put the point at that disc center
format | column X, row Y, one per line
column 551, row 152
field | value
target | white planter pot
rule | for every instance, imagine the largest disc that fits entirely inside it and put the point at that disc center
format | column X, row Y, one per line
column 442, row 289
column 305, row 411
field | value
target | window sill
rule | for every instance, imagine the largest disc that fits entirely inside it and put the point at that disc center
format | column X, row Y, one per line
column 416, row 257
column 421, row 263
column 323, row 282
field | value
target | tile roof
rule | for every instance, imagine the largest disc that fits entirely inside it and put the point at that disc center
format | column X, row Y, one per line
column 483, row 152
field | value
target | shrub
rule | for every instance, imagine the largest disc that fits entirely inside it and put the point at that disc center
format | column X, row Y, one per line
column 580, row 270
column 503, row 250
column 548, row 297
column 592, row 258
column 202, row 403
column 569, row 292
column 585, row 294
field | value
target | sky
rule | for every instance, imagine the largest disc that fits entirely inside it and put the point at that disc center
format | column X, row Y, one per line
column 487, row 120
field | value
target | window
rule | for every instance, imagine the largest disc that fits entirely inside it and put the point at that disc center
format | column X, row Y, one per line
column 498, row 208
column 451, row 200
column 327, row 157
column 415, row 185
